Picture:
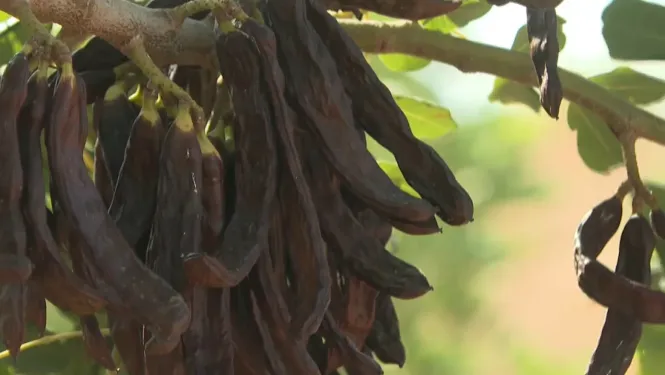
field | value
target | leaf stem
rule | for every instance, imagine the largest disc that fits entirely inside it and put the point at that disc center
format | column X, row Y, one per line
column 642, row 194
column 46, row 340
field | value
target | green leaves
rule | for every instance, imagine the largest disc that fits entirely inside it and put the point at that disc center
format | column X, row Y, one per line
column 634, row 30
column 596, row 144
column 427, row 120
column 509, row 92
column 469, row 11
column 632, row 85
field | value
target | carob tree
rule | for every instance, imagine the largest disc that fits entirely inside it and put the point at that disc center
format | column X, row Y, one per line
column 236, row 221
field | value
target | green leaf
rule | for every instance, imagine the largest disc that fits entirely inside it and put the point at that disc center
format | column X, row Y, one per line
column 427, row 120
column 634, row 30
column 596, row 144
column 638, row 88
column 651, row 348
column 442, row 24
column 508, row 92
column 469, row 11
column 392, row 170
column 12, row 37
column 57, row 321
column 400, row 83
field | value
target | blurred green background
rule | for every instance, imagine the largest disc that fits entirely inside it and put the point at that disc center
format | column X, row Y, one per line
column 505, row 299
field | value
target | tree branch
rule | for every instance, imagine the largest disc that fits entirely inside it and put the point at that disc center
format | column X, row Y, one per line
column 467, row 56
column 119, row 21
column 528, row 3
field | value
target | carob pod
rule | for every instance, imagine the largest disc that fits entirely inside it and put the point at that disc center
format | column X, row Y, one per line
column 101, row 174
column 127, row 335
column 54, row 277
column 657, row 216
column 95, row 343
column 35, row 307
column 300, row 223
column 385, row 339
column 15, row 266
column 250, row 358
column 116, row 118
column 269, row 305
column 320, row 101
column 255, row 169
column 541, row 26
column 363, row 254
column 621, row 333
column 350, row 355
column 376, row 111
column 176, row 229
column 97, row 82
column 611, row 290
column 134, row 198
column 148, row 297
column 413, row 10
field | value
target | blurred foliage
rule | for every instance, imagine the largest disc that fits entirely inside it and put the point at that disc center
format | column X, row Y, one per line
column 489, row 161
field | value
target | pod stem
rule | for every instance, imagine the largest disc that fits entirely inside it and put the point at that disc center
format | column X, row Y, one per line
column 221, row 107
column 41, row 36
column 642, row 194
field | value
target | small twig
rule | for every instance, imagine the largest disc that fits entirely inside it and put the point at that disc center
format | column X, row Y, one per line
column 41, row 35
column 46, row 340
column 642, row 194
column 623, row 190
column 136, row 51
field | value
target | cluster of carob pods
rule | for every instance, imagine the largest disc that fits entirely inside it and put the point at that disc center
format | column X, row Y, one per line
column 252, row 245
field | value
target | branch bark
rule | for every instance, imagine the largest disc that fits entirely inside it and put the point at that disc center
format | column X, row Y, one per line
column 471, row 57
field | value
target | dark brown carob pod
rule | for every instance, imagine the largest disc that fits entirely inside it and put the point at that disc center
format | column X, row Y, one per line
column 385, row 339
column 95, row 343
column 376, row 111
column 255, row 169
column 15, row 266
column 306, row 252
column 176, row 229
column 621, row 333
column 350, row 355
column 147, row 297
column 597, row 228
column 134, row 197
column 544, row 49
column 323, row 106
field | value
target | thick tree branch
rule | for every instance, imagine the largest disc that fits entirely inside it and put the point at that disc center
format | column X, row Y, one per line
column 467, row 56
column 119, row 21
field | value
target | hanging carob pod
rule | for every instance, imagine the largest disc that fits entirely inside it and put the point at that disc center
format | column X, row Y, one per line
column 324, row 108
column 116, row 118
column 145, row 295
column 306, row 252
column 365, row 257
column 375, row 109
column 544, row 50
column 255, row 170
column 621, row 333
column 14, row 264
column 385, row 339
column 134, row 198
column 52, row 274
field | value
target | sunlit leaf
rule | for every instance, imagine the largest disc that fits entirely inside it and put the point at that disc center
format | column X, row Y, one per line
column 427, row 120
column 632, row 85
column 469, row 11
column 597, row 145
column 633, row 30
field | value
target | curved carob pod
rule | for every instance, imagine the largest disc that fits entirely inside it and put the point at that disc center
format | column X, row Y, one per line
column 95, row 343
column 56, row 281
column 611, row 290
column 35, row 307
column 299, row 217
column 14, row 264
column 375, row 109
column 127, row 338
column 363, row 254
column 134, row 198
column 621, row 333
column 350, row 355
column 147, row 297
column 541, row 26
column 385, row 339
column 116, row 118
column 176, row 229
column 255, row 170
column 251, row 358
column 413, row 10
column 323, row 106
